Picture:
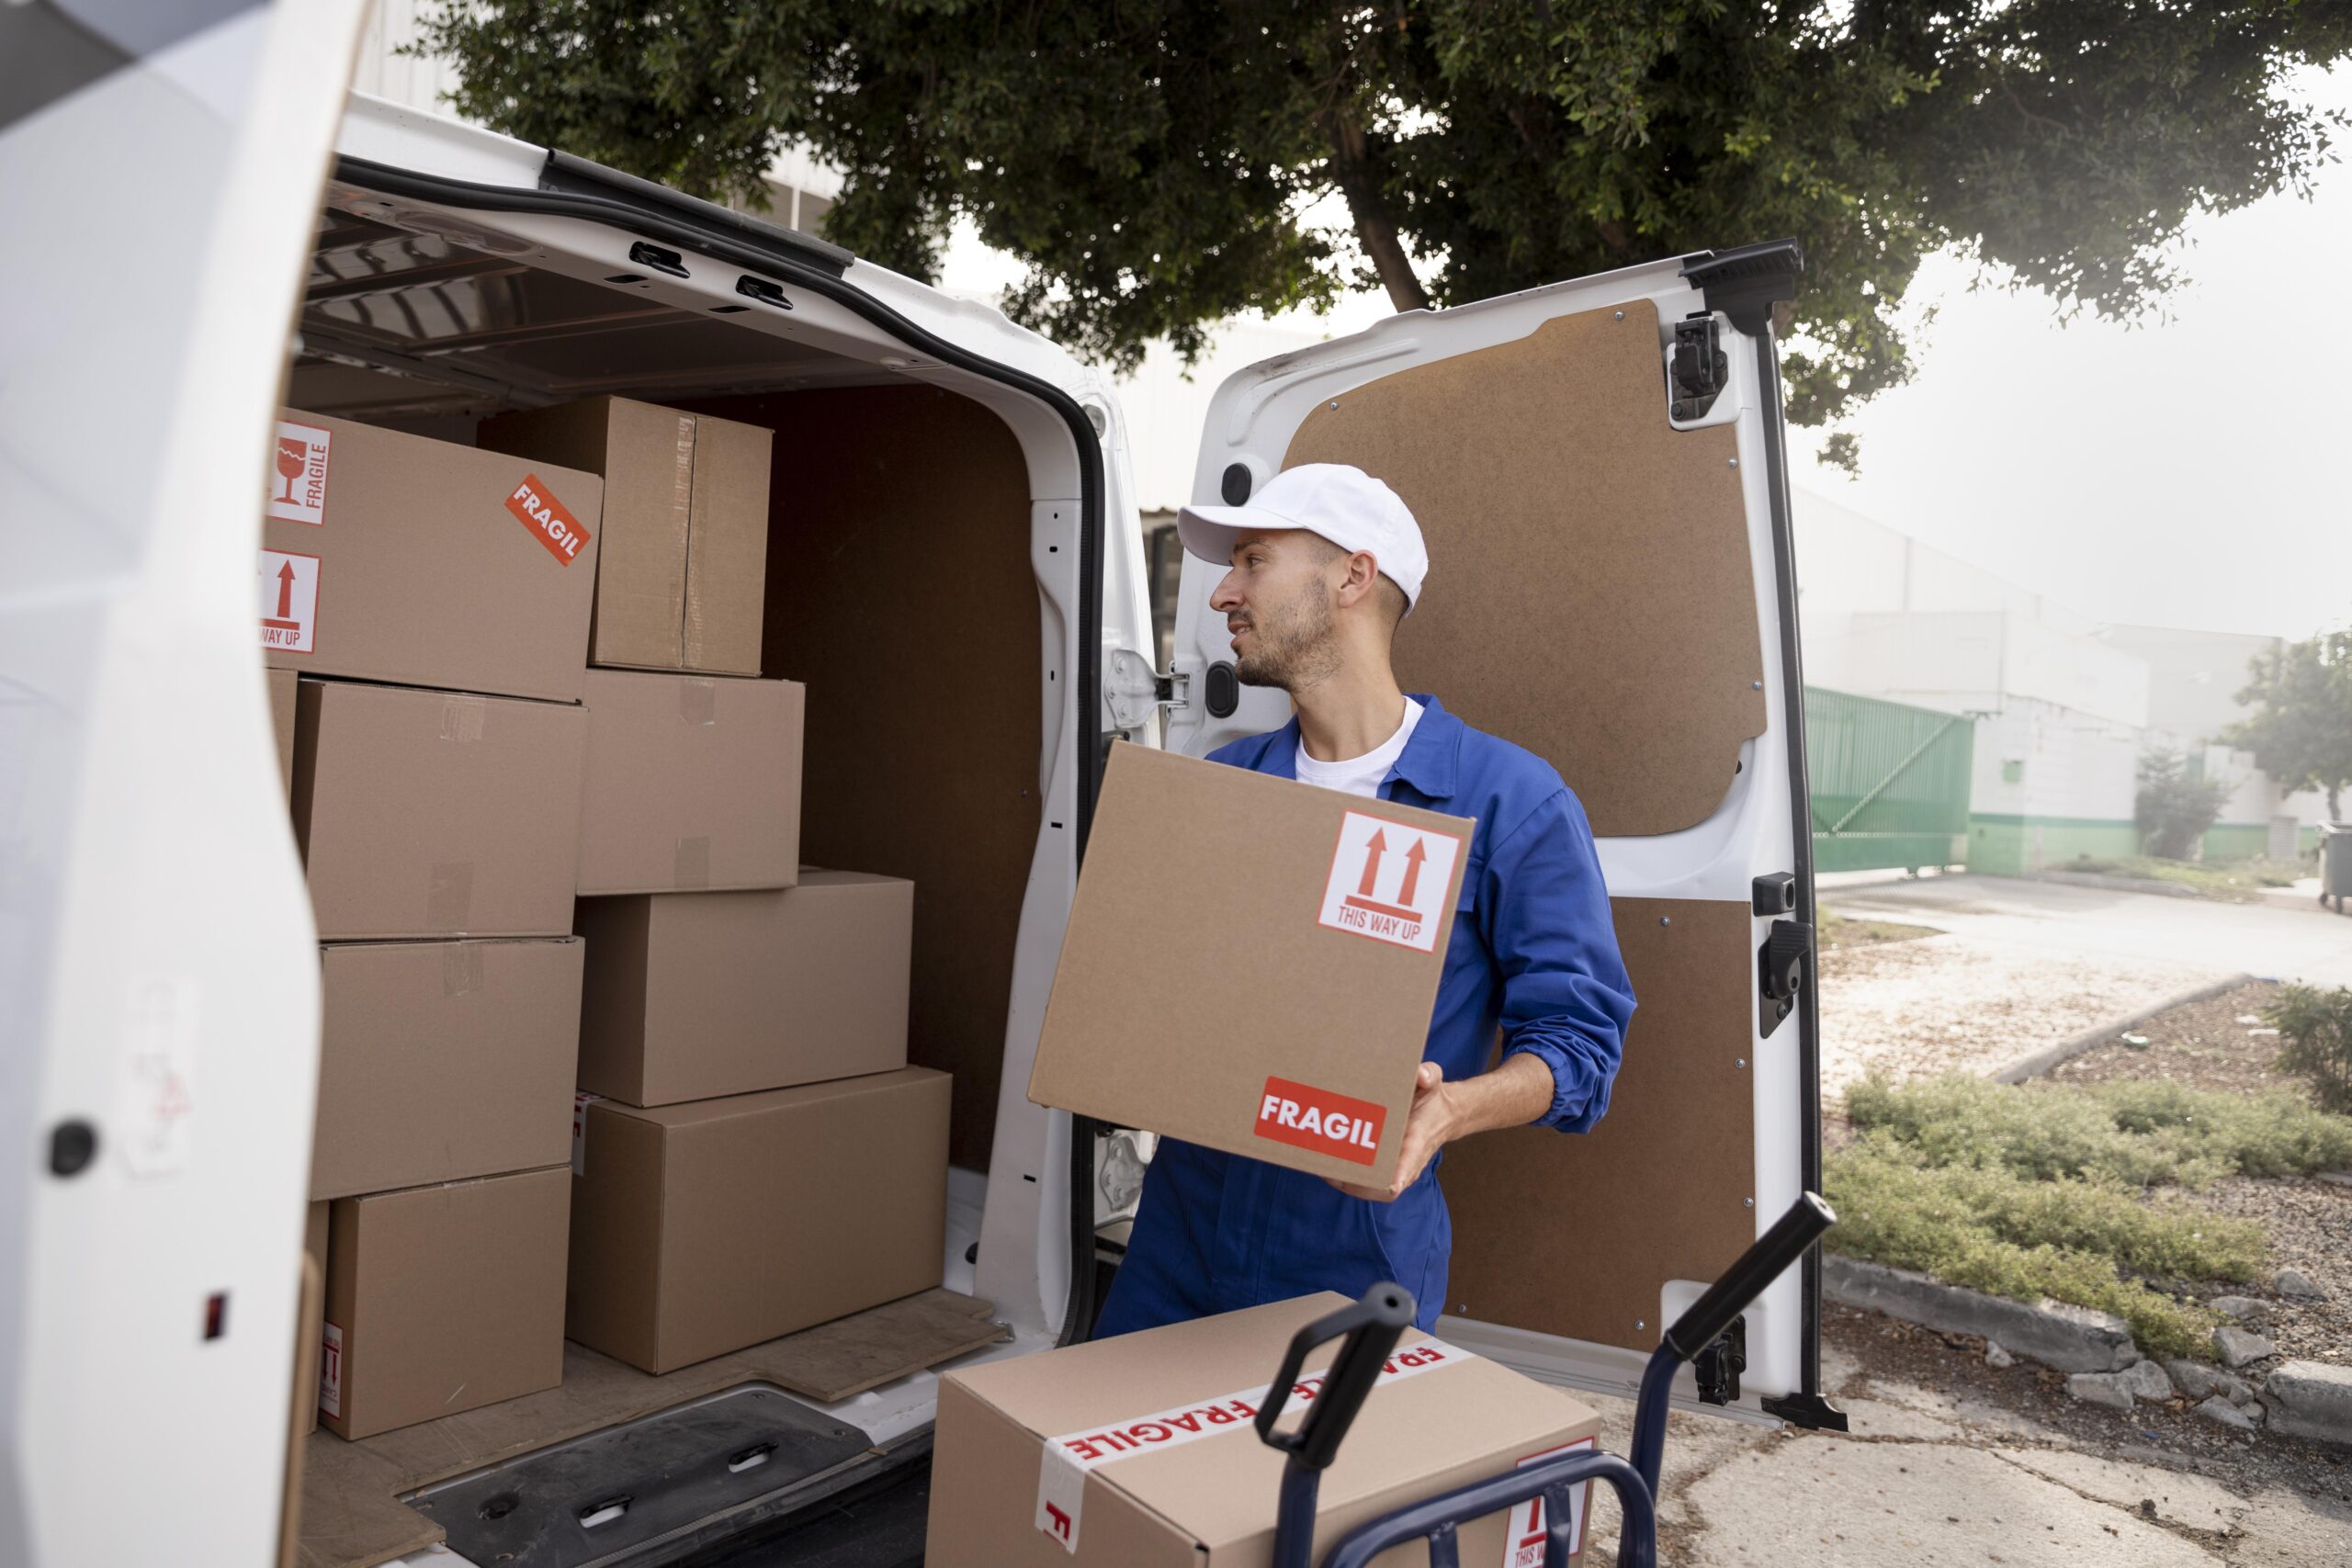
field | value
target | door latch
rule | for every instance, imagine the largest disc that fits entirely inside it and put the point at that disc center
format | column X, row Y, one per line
column 1780, row 966
column 1697, row 369
column 1134, row 690
column 1718, row 1366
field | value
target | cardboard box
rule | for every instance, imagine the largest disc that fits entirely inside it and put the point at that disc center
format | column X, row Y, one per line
column 281, row 712
column 694, row 995
column 1311, row 927
column 693, row 782
column 442, row 1299
column 1142, row 1449
column 425, row 813
column 443, row 1060
column 683, row 572
column 391, row 558
column 704, row 1228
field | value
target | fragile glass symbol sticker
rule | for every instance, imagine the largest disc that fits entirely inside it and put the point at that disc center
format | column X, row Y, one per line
column 1390, row 881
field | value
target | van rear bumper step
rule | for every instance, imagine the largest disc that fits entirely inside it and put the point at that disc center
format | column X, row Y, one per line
column 653, row 1490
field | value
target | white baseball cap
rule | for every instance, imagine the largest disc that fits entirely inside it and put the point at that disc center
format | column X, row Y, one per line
column 1343, row 504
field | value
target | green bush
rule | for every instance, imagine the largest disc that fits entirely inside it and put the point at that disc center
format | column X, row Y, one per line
column 2315, row 1028
column 2046, row 1189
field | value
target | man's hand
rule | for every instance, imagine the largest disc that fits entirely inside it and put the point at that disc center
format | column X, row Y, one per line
column 1427, row 1128
column 1514, row 1094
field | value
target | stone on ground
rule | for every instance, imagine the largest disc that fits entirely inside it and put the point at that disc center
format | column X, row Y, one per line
column 2295, row 1282
column 2101, row 1388
column 2069, row 1338
column 2146, row 1379
column 2238, row 1347
column 2239, row 1307
column 1996, row 1357
column 2197, row 1379
column 2218, row 1409
column 2311, row 1399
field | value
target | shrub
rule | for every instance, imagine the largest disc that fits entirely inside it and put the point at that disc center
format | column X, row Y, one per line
column 2173, row 810
column 2315, row 1028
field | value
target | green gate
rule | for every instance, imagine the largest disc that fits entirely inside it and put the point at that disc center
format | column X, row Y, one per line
column 1889, row 781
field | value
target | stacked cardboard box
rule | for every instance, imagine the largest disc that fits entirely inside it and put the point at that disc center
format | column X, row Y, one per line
column 424, row 614
column 751, row 1154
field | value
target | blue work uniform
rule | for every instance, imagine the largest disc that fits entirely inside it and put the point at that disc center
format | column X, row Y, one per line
column 1533, row 953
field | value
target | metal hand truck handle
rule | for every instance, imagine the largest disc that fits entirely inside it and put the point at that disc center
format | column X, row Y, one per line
column 1437, row 1520
column 1371, row 1327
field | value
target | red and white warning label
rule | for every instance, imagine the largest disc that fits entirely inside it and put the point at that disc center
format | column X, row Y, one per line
column 289, row 600
column 1328, row 1122
column 550, row 523
column 1070, row 1458
column 298, row 492
column 1388, row 881
column 331, row 1370
column 1523, row 1542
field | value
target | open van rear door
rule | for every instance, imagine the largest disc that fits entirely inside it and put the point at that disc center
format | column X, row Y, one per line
column 160, row 168
column 1599, row 468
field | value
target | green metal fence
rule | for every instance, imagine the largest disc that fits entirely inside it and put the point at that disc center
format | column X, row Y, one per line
column 1889, row 781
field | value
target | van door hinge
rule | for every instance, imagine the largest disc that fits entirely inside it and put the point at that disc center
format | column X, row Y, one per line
column 1697, row 369
column 1781, row 965
column 1719, row 1365
column 1135, row 689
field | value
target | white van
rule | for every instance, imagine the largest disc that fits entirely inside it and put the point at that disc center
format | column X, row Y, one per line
column 201, row 224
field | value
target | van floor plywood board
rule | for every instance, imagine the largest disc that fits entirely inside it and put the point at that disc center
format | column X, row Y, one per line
column 1577, row 1234
column 900, row 567
column 1590, row 592
column 1309, row 935
column 352, row 1516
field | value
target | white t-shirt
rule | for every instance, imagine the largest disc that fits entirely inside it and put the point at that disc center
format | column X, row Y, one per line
column 1361, row 775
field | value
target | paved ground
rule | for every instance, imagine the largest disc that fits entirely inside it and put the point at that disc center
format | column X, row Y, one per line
column 2016, row 965
column 1949, row 1467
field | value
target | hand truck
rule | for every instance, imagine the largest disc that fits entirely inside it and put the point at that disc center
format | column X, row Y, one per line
column 1371, row 1328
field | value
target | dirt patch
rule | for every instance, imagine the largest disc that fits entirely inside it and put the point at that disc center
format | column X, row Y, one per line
column 1845, row 932
column 2205, row 1044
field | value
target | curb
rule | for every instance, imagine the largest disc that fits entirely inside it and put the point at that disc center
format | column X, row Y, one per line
column 2120, row 883
column 2035, row 1062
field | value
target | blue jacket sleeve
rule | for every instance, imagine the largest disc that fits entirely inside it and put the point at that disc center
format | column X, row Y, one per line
column 1566, row 997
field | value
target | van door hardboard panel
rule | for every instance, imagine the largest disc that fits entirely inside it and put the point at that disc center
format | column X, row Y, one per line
column 900, row 591
column 1577, row 1234
column 1591, row 594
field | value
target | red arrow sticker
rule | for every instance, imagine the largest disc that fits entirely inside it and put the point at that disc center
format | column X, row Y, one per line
column 287, row 584
column 1388, row 881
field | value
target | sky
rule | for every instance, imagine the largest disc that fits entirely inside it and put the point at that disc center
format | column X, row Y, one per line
column 2189, row 471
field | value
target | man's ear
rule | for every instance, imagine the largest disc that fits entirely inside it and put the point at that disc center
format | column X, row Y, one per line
column 1362, row 577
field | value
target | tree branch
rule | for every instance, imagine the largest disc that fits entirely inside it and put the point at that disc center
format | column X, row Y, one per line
column 1351, row 167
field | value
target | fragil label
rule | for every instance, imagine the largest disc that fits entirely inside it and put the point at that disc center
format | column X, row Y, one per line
column 298, row 492
column 1388, row 881
column 289, row 585
column 550, row 523
column 1524, row 1541
column 1306, row 1117
column 1069, row 1459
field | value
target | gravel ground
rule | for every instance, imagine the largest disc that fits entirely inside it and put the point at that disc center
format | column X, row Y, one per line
column 1952, row 1002
column 2211, row 1044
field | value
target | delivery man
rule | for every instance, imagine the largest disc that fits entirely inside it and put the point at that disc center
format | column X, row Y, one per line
column 1324, row 563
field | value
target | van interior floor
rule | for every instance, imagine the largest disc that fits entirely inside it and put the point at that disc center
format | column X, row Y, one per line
column 354, row 1513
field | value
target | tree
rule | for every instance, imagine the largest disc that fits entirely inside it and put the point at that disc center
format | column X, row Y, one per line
column 2173, row 808
column 2301, row 729
column 1160, row 165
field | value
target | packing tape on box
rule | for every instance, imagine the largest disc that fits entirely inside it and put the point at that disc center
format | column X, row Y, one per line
column 698, row 700
column 693, row 866
column 462, row 717
column 1069, row 1459
column 461, row 968
column 682, row 508
column 448, row 894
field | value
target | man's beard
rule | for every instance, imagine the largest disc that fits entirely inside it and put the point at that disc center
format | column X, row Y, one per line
column 1296, row 646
